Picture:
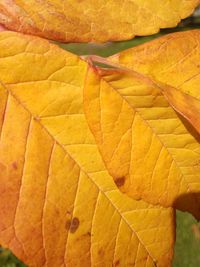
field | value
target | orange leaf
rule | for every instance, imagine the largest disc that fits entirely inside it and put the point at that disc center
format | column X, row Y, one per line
column 84, row 21
column 59, row 206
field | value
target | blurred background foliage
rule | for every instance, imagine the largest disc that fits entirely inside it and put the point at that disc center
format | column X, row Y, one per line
column 187, row 249
column 7, row 259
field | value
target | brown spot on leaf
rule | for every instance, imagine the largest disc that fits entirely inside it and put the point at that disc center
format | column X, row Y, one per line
column 101, row 252
column 120, row 181
column 88, row 233
column 117, row 263
column 74, row 225
column 14, row 165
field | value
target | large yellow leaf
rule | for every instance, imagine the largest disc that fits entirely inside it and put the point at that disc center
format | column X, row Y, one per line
column 172, row 63
column 59, row 206
column 97, row 21
column 151, row 152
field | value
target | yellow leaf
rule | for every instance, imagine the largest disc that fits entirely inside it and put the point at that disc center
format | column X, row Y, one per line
column 173, row 63
column 149, row 150
column 97, row 21
column 59, row 206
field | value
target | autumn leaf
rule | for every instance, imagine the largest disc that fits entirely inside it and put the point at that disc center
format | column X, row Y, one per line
column 173, row 63
column 151, row 152
column 84, row 21
column 59, row 206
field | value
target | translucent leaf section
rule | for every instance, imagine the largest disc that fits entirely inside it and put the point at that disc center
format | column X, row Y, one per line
column 187, row 105
column 87, row 20
column 59, row 206
column 150, row 151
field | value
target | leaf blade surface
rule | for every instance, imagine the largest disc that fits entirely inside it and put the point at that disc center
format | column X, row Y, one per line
column 173, row 63
column 85, row 21
column 149, row 150
column 52, row 171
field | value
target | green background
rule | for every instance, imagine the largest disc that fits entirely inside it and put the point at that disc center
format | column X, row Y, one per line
column 187, row 249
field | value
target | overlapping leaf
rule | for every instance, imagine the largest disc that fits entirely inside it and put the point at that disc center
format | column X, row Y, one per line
column 187, row 105
column 59, row 206
column 173, row 62
column 87, row 20
column 151, row 152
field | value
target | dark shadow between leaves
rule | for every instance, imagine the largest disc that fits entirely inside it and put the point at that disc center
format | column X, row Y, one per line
column 189, row 202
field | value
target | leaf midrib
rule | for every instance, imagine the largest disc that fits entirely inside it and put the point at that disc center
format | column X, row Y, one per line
column 153, row 82
column 53, row 138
